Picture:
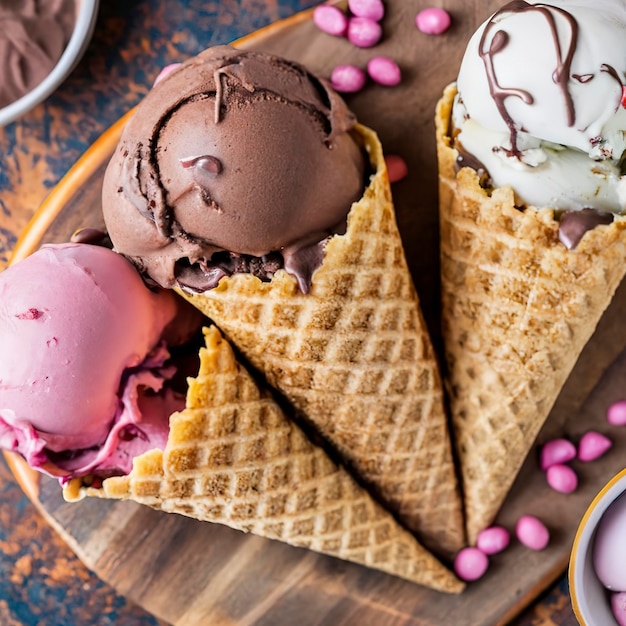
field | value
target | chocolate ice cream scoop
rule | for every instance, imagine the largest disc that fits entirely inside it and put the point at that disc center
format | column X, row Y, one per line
column 234, row 162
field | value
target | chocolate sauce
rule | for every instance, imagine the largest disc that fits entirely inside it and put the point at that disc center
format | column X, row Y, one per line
column 560, row 74
column 574, row 224
column 205, row 275
column 300, row 262
column 465, row 159
column 93, row 236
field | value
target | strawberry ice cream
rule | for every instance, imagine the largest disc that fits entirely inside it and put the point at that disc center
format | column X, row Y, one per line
column 84, row 366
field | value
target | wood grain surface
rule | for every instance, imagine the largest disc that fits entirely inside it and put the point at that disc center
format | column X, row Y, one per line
column 186, row 572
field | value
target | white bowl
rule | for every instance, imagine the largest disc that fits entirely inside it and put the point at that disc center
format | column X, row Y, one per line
column 589, row 597
column 83, row 30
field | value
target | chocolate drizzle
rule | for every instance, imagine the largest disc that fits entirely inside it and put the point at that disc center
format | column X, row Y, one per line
column 574, row 224
column 560, row 74
column 206, row 274
column 465, row 159
column 300, row 262
column 93, row 236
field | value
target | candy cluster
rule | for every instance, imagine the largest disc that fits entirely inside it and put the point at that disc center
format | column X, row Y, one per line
column 361, row 27
column 471, row 563
column 556, row 453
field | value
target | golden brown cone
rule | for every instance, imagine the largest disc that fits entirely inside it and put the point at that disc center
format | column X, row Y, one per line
column 518, row 308
column 233, row 458
column 355, row 358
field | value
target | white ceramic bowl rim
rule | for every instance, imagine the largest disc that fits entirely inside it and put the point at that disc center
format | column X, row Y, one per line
column 83, row 29
column 584, row 586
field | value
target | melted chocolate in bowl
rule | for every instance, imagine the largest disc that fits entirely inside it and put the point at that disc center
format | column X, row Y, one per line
column 33, row 36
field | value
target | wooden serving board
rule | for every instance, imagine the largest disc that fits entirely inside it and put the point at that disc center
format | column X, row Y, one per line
column 187, row 572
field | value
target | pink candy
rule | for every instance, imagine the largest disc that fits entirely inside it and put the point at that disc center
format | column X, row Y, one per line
column 396, row 167
column 168, row 69
column 363, row 32
column 493, row 540
column 532, row 532
column 384, row 71
column 372, row 9
column 592, row 446
column 362, row 29
column 557, row 451
column 616, row 414
column 433, row 21
column 470, row 564
column 618, row 606
column 330, row 20
column 348, row 78
column 562, row 478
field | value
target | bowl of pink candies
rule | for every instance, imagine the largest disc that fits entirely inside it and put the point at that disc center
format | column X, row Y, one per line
column 597, row 570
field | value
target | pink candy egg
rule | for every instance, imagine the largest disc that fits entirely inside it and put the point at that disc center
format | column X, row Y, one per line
column 348, row 78
column 470, row 564
column 562, row 478
column 493, row 540
column 618, row 606
column 609, row 549
column 372, row 9
column 616, row 414
column 433, row 21
column 557, row 451
column 168, row 69
column 396, row 167
column 532, row 533
column 363, row 32
column 384, row 71
column 330, row 20
column 593, row 445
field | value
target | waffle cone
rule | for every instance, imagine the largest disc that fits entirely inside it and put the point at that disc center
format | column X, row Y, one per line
column 233, row 458
column 518, row 307
column 355, row 359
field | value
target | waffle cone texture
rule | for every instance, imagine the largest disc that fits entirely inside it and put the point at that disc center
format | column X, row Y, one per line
column 518, row 307
column 232, row 457
column 354, row 358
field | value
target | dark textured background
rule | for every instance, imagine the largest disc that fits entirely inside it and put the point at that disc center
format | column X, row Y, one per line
column 41, row 581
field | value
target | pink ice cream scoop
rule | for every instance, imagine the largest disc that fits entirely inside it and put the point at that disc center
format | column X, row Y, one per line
column 84, row 346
